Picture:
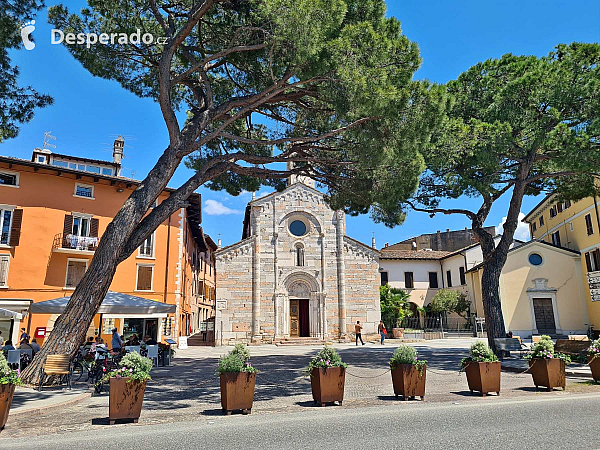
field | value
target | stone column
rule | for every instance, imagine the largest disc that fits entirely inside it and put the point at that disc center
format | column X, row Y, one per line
column 341, row 271
column 256, row 283
column 322, row 311
column 276, row 326
column 323, row 299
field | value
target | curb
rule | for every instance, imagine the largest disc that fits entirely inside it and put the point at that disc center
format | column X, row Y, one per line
column 42, row 409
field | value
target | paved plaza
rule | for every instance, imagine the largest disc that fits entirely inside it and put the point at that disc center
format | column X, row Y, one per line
column 189, row 389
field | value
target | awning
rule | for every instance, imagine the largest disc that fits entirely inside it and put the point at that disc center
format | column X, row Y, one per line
column 11, row 314
column 113, row 303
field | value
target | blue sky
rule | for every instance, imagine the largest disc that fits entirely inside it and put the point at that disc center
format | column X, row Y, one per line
column 89, row 112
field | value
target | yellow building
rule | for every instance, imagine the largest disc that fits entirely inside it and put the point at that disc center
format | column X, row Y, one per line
column 574, row 226
column 541, row 290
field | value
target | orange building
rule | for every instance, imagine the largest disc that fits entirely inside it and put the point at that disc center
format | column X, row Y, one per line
column 53, row 211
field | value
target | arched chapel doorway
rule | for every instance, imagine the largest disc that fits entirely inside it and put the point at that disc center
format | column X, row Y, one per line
column 302, row 309
column 299, row 295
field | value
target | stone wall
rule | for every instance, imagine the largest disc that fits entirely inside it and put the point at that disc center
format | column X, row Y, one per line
column 269, row 254
column 362, row 286
column 234, row 292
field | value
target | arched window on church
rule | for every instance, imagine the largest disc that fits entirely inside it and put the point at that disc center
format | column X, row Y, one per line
column 299, row 255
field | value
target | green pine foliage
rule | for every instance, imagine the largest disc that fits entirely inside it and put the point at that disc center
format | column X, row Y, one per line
column 520, row 126
column 349, row 67
column 17, row 103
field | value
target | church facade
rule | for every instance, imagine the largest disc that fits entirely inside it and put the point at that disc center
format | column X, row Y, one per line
column 295, row 273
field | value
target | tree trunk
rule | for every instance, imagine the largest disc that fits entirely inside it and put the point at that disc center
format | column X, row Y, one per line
column 494, row 258
column 72, row 325
column 492, row 306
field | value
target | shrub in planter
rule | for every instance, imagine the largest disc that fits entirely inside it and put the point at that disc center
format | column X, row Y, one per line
column 238, row 379
column 127, row 387
column 408, row 373
column 327, row 376
column 482, row 368
column 9, row 379
column 593, row 359
column 547, row 367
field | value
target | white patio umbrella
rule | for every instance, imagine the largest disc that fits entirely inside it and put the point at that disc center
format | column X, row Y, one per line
column 114, row 303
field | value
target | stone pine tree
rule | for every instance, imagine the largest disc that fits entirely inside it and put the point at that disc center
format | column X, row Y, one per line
column 518, row 125
column 243, row 86
column 17, row 103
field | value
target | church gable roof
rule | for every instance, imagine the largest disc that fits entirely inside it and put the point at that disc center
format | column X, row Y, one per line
column 293, row 187
column 362, row 245
column 269, row 197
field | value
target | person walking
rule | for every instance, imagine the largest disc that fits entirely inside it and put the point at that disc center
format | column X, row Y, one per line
column 1, row 340
column 117, row 342
column 358, row 331
column 382, row 331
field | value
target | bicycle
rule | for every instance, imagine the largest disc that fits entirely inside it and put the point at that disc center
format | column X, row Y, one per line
column 101, row 367
column 81, row 365
column 590, row 332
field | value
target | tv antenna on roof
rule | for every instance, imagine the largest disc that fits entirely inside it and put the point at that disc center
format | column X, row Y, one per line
column 47, row 137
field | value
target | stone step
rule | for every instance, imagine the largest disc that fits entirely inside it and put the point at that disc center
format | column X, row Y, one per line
column 300, row 341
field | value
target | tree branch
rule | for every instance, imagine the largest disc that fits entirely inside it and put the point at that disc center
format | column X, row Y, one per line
column 470, row 214
column 296, row 140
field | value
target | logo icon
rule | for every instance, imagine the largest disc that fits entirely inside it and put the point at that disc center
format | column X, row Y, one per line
column 26, row 30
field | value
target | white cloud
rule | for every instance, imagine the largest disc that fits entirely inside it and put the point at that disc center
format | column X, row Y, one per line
column 215, row 208
column 522, row 232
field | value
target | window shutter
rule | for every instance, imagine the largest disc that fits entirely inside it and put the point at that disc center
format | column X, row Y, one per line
column 15, row 229
column 588, row 262
column 68, row 227
column 144, row 278
column 596, row 256
column 94, row 228
column 4, row 261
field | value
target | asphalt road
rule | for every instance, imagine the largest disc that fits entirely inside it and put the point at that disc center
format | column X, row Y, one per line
column 541, row 422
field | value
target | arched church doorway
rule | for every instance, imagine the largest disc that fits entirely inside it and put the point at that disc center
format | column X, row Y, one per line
column 299, row 295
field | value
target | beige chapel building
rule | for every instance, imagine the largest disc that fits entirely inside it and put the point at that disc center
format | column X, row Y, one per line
column 295, row 274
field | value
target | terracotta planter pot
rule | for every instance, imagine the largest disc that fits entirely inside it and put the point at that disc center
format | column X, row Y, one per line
column 594, row 363
column 408, row 382
column 328, row 384
column 237, row 391
column 549, row 373
column 125, row 399
column 398, row 333
column 484, row 377
column 7, row 391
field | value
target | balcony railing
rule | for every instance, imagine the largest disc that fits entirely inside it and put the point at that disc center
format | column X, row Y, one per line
column 73, row 242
